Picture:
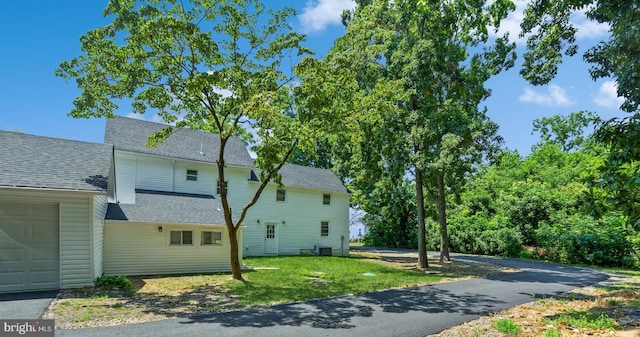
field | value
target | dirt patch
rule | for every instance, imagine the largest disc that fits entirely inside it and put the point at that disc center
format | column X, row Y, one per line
column 153, row 298
column 451, row 270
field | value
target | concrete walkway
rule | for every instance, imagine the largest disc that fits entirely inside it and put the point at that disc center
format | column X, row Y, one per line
column 418, row 311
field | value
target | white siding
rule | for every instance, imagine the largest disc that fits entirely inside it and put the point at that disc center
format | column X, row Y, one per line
column 154, row 174
column 140, row 249
column 125, row 178
column 302, row 213
column 75, row 221
column 206, row 183
column 239, row 190
column 99, row 210
column 75, row 243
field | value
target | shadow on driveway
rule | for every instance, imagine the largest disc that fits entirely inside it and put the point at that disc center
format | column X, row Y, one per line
column 342, row 312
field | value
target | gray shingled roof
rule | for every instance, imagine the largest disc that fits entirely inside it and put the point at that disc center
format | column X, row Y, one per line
column 168, row 207
column 43, row 162
column 130, row 134
column 311, row 177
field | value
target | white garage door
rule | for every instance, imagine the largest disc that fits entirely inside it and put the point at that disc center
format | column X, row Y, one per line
column 29, row 247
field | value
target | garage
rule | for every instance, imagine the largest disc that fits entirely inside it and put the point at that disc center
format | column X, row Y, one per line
column 29, row 246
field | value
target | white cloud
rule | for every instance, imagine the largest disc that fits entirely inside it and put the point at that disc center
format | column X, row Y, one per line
column 607, row 96
column 135, row 116
column 586, row 28
column 155, row 118
column 511, row 24
column 554, row 96
column 318, row 14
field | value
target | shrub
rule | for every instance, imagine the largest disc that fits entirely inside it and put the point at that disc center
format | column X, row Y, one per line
column 507, row 326
column 120, row 282
column 476, row 234
column 580, row 239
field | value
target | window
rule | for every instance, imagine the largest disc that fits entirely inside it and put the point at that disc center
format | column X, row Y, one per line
column 326, row 199
column 324, row 228
column 280, row 194
column 211, row 238
column 192, row 175
column 271, row 231
column 219, row 190
column 181, row 238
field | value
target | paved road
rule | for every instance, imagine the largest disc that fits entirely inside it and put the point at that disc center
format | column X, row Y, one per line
column 25, row 305
column 399, row 312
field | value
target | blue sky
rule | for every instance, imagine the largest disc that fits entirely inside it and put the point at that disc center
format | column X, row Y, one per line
column 38, row 34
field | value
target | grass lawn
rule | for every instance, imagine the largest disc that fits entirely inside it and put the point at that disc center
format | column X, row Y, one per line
column 271, row 280
column 299, row 278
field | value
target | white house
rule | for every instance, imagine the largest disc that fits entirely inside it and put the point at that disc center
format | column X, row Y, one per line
column 71, row 211
column 53, row 198
column 310, row 213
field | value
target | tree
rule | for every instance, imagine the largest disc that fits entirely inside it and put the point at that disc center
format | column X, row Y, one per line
column 552, row 34
column 418, row 84
column 221, row 64
column 566, row 131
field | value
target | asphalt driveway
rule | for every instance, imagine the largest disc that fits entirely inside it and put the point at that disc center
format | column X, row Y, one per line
column 25, row 305
column 406, row 312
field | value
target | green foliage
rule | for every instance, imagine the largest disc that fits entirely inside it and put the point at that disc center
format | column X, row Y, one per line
column 621, row 171
column 414, row 75
column 552, row 33
column 507, row 326
column 552, row 333
column 584, row 320
column 566, row 131
column 119, row 282
column 548, row 201
column 391, row 221
column 475, row 234
column 580, row 239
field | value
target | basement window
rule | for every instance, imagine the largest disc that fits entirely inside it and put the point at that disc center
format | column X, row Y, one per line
column 192, row 175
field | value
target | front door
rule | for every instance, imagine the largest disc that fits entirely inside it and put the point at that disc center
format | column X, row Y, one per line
column 271, row 238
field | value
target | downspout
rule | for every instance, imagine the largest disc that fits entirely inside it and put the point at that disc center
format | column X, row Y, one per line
column 342, row 245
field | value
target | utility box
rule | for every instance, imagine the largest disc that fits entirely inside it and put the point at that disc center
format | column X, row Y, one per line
column 324, row 251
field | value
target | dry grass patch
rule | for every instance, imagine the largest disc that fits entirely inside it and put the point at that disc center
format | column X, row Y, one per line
column 449, row 270
column 153, row 298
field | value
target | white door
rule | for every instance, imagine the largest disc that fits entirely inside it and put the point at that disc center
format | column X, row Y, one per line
column 271, row 238
column 29, row 247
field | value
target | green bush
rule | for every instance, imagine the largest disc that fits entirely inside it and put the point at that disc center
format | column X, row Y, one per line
column 581, row 239
column 120, row 282
column 477, row 235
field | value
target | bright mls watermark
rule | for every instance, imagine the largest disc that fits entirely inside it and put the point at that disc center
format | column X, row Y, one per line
column 27, row 328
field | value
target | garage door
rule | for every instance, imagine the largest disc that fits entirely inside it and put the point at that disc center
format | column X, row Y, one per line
column 29, row 247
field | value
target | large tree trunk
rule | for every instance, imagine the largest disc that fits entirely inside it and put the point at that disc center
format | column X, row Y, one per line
column 422, row 242
column 236, row 271
column 442, row 219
